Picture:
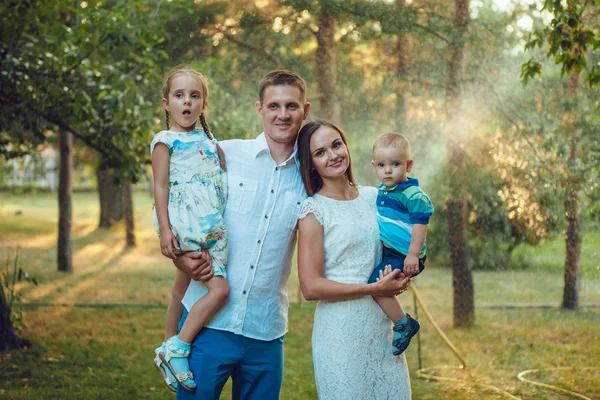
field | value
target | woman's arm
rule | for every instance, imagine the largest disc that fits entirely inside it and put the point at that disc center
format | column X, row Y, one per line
column 160, row 171
column 311, row 258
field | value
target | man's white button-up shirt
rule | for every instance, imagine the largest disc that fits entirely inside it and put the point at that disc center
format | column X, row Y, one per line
column 263, row 202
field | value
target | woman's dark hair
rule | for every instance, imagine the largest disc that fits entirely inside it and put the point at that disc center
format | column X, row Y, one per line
column 311, row 179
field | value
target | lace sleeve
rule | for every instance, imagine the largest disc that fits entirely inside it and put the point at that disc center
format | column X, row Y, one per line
column 309, row 207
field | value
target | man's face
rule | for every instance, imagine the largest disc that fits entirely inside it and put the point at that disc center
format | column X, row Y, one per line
column 282, row 111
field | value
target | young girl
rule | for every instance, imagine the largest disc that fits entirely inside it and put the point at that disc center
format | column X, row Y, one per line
column 189, row 194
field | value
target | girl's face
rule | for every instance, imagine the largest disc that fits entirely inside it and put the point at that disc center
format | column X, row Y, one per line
column 185, row 102
column 329, row 153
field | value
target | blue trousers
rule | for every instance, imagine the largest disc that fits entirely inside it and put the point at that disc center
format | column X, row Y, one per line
column 255, row 366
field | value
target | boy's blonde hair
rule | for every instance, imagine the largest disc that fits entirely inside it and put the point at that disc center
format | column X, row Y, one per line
column 393, row 140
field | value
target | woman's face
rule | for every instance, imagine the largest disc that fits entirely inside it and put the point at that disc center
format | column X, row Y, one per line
column 329, row 153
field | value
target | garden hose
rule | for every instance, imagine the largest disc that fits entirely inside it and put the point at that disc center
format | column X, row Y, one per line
column 521, row 377
column 428, row 373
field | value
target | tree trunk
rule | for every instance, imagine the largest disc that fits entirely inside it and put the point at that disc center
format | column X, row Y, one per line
column 573, row 201
column 128, row 215
column 464, row 302
column 65, row 220
column 109, row 191
column 327, row 69
column 8, row 338
column 402, row 54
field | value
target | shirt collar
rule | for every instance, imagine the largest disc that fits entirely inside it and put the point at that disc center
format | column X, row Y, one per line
column 261, row 145
column 400, row 186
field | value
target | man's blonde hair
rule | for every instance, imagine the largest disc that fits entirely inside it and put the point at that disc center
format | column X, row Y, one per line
column 393, row 140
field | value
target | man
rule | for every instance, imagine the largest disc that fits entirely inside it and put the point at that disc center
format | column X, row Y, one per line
column 244, row 339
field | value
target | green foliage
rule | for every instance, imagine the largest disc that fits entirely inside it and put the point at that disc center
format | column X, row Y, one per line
column 569, row 39
column 9, row 278
column 84, row 70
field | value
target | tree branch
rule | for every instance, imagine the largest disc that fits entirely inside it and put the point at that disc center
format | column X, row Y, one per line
column 515, row 123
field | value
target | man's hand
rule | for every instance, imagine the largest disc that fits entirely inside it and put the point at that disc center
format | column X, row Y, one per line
column 391, row 283
column 198, row 266
column 411, row 265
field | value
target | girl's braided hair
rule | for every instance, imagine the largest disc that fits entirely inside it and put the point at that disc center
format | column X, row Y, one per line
column 166, row 88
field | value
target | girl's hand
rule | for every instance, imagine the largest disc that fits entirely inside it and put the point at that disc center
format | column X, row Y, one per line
column 167, row 244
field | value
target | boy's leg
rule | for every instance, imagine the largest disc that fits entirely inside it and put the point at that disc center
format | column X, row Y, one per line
column 214, row 355
column 260, row 372
column 391, row 307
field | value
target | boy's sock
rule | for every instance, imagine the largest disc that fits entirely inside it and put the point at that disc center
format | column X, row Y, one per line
column 402, row 321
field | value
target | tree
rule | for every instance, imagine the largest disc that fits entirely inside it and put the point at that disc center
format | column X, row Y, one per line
column 569, row 40
column 65, row 222
column 456, row 205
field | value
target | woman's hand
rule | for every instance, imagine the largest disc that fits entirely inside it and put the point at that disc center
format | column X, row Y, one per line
column 391, row 283
column 168, row 243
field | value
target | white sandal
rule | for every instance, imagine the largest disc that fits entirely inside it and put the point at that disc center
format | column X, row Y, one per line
column 173, row 351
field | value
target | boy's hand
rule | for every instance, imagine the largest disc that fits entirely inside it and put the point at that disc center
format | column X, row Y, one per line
column 168, row 243
column 411, row 265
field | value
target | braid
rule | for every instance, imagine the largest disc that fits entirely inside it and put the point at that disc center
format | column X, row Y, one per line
column 168, row 122
column 220, row 151
column 205, row 126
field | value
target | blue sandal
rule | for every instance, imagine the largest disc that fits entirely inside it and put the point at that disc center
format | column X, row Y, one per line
column 403, row 333
column 168, row 377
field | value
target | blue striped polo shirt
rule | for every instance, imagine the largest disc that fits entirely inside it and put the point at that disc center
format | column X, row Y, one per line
column 398, row 209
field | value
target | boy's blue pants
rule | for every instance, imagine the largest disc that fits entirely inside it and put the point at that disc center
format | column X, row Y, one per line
column 255, row 366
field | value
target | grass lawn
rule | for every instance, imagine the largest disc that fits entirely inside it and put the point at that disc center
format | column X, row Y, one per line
column 106, row 353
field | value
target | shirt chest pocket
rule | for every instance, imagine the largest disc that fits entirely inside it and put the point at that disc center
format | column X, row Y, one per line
column 291, row 209
column 241, row 194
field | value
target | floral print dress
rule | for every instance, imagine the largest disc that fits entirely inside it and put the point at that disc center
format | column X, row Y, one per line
column 197, row 194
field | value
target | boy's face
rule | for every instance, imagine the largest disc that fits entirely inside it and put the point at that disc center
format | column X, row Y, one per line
column 391, row 165
column 282, row 110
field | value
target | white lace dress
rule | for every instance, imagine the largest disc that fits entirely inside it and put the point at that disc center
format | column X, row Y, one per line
column 351, row 341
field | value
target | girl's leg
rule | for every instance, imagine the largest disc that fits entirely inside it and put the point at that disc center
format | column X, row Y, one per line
column 203, row 309
column 180, row 285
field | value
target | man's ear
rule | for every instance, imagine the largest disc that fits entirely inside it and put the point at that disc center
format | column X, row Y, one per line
column 306, row 109
column 258, row 108
column 409, row 165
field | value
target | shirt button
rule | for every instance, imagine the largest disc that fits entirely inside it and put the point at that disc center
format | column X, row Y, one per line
column 244, row 292
column 298, row 202
column 272, row 191
column 382, row 203
column 266, row 216
column 276, row 168
column 259, row 242
column 241, row 184
column 252, row 267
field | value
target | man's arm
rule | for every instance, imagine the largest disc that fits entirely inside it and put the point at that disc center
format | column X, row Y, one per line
column 197, row 265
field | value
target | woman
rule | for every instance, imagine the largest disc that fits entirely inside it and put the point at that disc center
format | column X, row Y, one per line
column 338, row 246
